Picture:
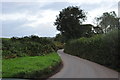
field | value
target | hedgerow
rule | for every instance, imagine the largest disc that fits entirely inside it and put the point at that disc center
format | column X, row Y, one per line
column 102, row 49
column 26, row 46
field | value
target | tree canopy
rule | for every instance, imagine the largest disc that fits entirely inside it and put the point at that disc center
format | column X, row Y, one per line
column 108, row 21
column 69, row 20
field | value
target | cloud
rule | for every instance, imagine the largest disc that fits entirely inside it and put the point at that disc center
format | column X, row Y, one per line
column 99, row 8
column 18, row 16
column 84, row 1
column 15, row 16
column 33, row 1
column 25, row 17
column 119, row 9
column 91, row 2
column 20, row 7
column 16, row 24
column 56, row 5
column 43, row 16
column 11, row 28
column 98, row 12
column 46, row 17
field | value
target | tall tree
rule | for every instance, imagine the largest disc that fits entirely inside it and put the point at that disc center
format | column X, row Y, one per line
column 68, row 22
column 108, row 21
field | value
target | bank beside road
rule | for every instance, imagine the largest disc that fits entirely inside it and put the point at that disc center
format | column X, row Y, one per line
column 34, row 67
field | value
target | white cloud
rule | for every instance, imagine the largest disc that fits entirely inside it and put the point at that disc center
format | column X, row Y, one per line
column 47, row 17
column 84, row 1
column 32, row 0
column 33, row 20
column 91, row 1
column 14, row 16
column 97, row 12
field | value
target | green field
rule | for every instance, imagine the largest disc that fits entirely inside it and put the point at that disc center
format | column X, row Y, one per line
column 30, row 67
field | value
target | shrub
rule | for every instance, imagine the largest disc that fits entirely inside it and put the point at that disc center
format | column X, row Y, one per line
column 59, row 45
column 26, row 46
column 102, row 49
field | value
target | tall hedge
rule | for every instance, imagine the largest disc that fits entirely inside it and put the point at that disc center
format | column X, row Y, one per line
column 102, row 49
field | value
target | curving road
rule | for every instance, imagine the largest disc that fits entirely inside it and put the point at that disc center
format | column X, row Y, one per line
column 74, row 67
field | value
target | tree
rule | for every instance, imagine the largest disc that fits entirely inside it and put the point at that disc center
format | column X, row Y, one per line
column 108, row 21
column 68, row 22
column 58, row 37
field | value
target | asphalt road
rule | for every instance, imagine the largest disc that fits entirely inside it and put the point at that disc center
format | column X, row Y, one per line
column 74, row 67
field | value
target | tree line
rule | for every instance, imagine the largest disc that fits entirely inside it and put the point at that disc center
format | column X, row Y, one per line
column 70, row 24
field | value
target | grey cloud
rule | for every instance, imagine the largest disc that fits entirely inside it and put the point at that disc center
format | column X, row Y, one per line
column 12, row 28
column 88, row 7
column 21, row 7
column 15, row 28
column 56, row 5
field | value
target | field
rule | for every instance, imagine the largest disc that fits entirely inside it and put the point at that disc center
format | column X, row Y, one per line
column 30, row 67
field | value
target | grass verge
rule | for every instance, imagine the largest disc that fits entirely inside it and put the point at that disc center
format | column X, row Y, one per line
column 30, row 67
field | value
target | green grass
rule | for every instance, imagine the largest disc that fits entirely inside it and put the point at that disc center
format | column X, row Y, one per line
column 29, row 67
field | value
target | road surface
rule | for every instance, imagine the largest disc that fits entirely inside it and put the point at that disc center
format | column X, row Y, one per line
column 74, row 67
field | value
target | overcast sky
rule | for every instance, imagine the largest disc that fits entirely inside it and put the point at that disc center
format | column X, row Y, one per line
column 36, row 17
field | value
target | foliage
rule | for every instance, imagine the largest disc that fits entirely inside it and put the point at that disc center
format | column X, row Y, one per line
column 102, row 49
column 108, row 21
column 30, row 67
column 59, row 45
column 68, row 22
column 97, row 30
column 59, row 38
column 26, row 46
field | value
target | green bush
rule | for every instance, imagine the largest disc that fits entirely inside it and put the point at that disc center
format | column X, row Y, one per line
column 59, row 45
column 102, row 49
column 26, row 46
